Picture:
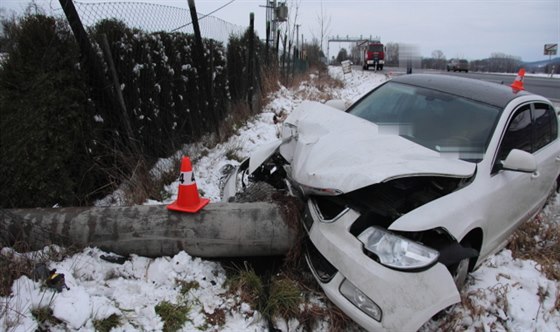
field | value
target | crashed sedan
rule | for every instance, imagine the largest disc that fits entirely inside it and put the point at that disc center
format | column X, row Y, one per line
column 410, row 188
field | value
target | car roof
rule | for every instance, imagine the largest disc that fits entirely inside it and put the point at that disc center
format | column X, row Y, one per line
column 487, row 92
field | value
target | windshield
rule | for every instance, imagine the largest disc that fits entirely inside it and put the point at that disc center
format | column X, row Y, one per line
column 375, row 48
column 439, row 121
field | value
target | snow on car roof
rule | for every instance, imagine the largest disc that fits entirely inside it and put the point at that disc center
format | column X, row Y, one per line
column 487, row 92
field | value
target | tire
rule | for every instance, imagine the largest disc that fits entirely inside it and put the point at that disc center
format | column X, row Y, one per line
column 460, row 271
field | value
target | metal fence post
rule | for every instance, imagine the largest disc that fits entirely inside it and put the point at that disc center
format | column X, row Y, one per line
column 250, row 61
column 202, row 68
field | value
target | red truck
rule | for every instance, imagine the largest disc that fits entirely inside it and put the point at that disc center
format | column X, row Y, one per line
column 374, row 55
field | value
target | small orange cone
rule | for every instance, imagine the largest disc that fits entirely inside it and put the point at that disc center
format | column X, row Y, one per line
column 188, row 199
column 518, row 83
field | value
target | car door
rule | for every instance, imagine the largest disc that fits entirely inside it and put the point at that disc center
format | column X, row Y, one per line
column 546, row 147
column 513, row 194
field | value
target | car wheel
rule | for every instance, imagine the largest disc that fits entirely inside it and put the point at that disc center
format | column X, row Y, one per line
column 460, row 271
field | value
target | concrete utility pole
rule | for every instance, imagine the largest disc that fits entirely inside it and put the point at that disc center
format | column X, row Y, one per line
column 218, row 230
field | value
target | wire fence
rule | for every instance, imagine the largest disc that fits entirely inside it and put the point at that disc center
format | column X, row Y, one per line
column 151, row 17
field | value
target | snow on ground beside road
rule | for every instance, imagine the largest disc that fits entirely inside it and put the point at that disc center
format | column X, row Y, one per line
column 504, row 292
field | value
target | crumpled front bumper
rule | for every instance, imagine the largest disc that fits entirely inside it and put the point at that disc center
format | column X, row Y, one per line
column 407, row 299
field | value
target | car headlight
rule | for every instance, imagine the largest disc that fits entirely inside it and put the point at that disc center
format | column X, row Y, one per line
column 397, row 252
column 360, row 300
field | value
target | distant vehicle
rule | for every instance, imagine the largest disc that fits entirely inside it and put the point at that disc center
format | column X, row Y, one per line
column 458, row 65
column 374, row 55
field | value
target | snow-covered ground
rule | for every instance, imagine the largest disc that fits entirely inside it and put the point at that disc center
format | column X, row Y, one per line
column 504, row 294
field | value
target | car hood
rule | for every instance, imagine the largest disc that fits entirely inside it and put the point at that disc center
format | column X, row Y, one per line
column 332, row 149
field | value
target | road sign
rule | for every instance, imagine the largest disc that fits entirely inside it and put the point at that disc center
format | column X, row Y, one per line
column 550, row 49
column 346, row 66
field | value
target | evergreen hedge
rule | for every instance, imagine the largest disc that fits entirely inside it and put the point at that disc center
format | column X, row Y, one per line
column 44, row 123
column 61, row 143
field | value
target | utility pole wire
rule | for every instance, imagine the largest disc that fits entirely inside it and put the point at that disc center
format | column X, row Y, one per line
column 203, row 16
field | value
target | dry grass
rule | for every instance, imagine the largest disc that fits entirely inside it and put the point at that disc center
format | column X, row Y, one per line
column 14, row 265
column 143, row 185
column 539, row 240
column 248, row 285
column 284, row 298
column 238, row 115
column 44, row 317
column 313, row 314
column 269, row 83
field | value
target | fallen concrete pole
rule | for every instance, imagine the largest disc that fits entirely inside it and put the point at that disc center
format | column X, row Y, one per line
column 219, row 230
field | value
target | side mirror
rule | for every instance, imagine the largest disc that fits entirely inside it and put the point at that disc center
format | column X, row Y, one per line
column 337, row 103
column 520, row 161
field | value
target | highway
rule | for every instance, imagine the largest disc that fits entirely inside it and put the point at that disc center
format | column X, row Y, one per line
column 544, row 86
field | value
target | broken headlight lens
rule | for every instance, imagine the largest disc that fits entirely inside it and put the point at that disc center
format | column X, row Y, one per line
column 397, row 252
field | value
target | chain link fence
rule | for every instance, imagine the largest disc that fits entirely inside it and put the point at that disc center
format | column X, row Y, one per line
column 151, row 17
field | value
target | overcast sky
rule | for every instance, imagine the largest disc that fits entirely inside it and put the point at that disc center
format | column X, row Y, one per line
column 471, row 29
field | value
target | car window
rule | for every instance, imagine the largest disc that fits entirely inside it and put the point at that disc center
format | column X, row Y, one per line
column 545, row 125
column 436, row 120
column 518, row 133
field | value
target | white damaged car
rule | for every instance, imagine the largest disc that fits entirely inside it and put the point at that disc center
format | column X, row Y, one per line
column 410, row 188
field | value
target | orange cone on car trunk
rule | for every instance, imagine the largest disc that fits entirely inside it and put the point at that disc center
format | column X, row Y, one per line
column 188, row 199
column 518, row 83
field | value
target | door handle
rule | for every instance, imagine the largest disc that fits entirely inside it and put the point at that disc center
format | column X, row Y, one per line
column 535, row 175
column 558, row 159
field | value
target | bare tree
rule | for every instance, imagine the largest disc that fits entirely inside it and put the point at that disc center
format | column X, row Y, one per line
column 439, row 59
column 292, row 20
column 505, row 63
column 438, row 55
column 324, row 22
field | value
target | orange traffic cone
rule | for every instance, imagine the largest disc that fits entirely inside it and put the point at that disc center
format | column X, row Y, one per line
column 518, row 83
column 188, row 199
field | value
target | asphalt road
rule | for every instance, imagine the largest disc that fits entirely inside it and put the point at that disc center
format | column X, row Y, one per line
column 544, row 86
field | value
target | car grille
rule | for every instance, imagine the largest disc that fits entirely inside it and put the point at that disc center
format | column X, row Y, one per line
column 324, row 270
